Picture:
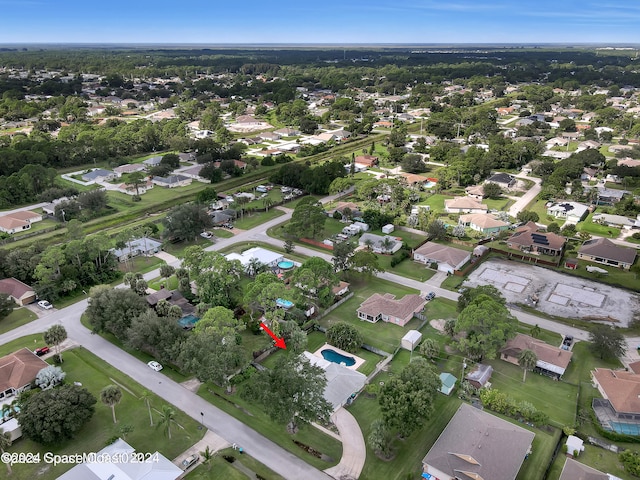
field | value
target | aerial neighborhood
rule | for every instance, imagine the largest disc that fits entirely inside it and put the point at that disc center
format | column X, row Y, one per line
column 377, row 263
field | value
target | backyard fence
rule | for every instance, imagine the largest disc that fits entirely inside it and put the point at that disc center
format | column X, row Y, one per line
column 334, row 306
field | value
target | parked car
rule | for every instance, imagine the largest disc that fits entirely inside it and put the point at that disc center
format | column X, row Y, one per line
column 155, row 365
column 206, row 235
column 430, row 296
column 228, row 225
column 189, row 461
column 42, row 351
column 44, row 304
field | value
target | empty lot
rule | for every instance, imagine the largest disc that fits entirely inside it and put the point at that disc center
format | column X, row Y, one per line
column 557, row 293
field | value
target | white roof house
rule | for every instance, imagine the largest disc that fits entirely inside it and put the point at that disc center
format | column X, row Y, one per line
column 262, row 255
column 573, row 212
column 342, row 382
column 160, row 468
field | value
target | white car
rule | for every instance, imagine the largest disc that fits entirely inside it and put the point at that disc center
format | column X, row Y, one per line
column 44, row 304
column 155, row 365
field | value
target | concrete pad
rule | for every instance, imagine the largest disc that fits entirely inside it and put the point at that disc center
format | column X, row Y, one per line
column 514, row 287
column 213, row 441
column 558, row 299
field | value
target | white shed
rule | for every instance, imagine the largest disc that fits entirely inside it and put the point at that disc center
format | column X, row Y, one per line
column 411, row 340
column 388, row 228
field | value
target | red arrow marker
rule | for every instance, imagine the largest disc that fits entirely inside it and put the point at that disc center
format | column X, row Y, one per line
column 279, row 341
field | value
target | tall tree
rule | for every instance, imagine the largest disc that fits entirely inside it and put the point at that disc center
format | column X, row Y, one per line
column 291, row 392
column 145, row 396
column 111, row 396
column 527, row 360
column 5, row 442
column 52, row 416
column 470, row 294
column 167, row 415
column 186, row 222
column 55, row 335
column 307, row 219
column 113, row 309
column 345, row 336
column 407, row 400
column 487, row 325
column 607, row 341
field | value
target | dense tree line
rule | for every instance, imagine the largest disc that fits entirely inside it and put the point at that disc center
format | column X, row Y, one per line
column 312, row 179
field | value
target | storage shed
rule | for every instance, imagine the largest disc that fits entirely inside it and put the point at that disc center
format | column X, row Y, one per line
column 411, row 340
column 388, row 228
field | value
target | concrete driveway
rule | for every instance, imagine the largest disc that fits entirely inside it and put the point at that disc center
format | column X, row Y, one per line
column 354, row 451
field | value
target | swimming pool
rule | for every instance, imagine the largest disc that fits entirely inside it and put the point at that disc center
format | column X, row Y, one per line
column 285, row 265
column 335, row 357
column 626, row 428
column 188, row 321
column 282, row 303
column 429, row 184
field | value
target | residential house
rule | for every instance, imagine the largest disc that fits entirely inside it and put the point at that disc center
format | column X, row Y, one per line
column 505, row 180
column 610, row 196
column 174, row 297
column 238, row 163
column 342, row 382
column 478, row 445
column 552, row 361
column 464, row 205
column 378, row 244
column 269, row 136
column 448, row 382
column 366, row 160
column 619, row 409
column 18, row 221
column 412, row 179
column 98, row 175
column 574, row 470
column 529, row 239
column 342, row 288
column 152, row 162
column 449, row 259
column 617, row 221
column 479, row 375
column 572, row 212
column 325, row 137
column 124, row 466
column 587, row 145
column 483, row 222
column 604, row 251
column 131, row 189
column 628, row 162
column 172, row 181
column 287, row 132
column 134, row 248
column 222, row 217
column 588, row 174
column 385, row 307
column 17, row 371
column 262, row 255
column 21, row 293
column 475, row 191
column 193, row 172
column 50, row 208
column 129, row 168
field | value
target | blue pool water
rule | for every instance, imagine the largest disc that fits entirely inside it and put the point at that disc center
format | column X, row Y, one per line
column 335, row 357
column 188, row 321
column 281, row 302
column 429, row 184
column 626, row 428
column 286, row 265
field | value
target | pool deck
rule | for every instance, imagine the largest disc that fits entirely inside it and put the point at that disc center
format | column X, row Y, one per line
column 355, row 366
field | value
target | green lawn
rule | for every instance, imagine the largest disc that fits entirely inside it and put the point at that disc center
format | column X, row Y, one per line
column 170, row 283
column 407, row 268
column 501, row 203
column 222, row 233
column 17, row 318
column 37, row 226
column 177, row 249
column 258, row 218
column 385, row 336
column 597, row 229
column 257, row 419
column 141, row 264
column 596, row 457
column 221, row 468
column 94, row 374
column 435, row 202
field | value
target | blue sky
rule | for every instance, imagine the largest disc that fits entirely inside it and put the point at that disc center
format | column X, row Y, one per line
column 328, row 21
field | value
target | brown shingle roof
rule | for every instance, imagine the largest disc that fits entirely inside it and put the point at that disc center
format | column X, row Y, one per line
column 483, row 220
column 443, row 253
column 465, row 203
column 545, row 352
column 605, row 248
column 388, row 305
column 527, row 234
column 621, row 388
column 14, row 288
column 24, row 215
column 9, row 223
column 19, row 369
column 574, row 470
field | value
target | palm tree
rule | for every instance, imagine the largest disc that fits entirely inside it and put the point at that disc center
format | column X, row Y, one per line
column 55, row 336
column 5, row 442
column 268, row 203
column 241, row 202
column 527, row 360
column 387, row 244
column 111, row 396
column 369, row 243
column 166, row 417
column 207, row 456
column 146, row 398
column 535, row 331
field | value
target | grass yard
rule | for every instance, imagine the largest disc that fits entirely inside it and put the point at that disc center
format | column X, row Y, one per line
column 501, row 203
column 257, row 419
column 177, row 249
column 258, row 218
column 29, row 341
column 441, row 308
column 435, row 202
column 141, row 264
column 407, row 268
column 94, row 374
column 410, row 451
column 616, row 276
column 596, row 457
column 170, row 283
column 220, row 468
column 17, row 318
column 221, row 233
column 588, row 225
column 37, row 226
column 385, row 336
